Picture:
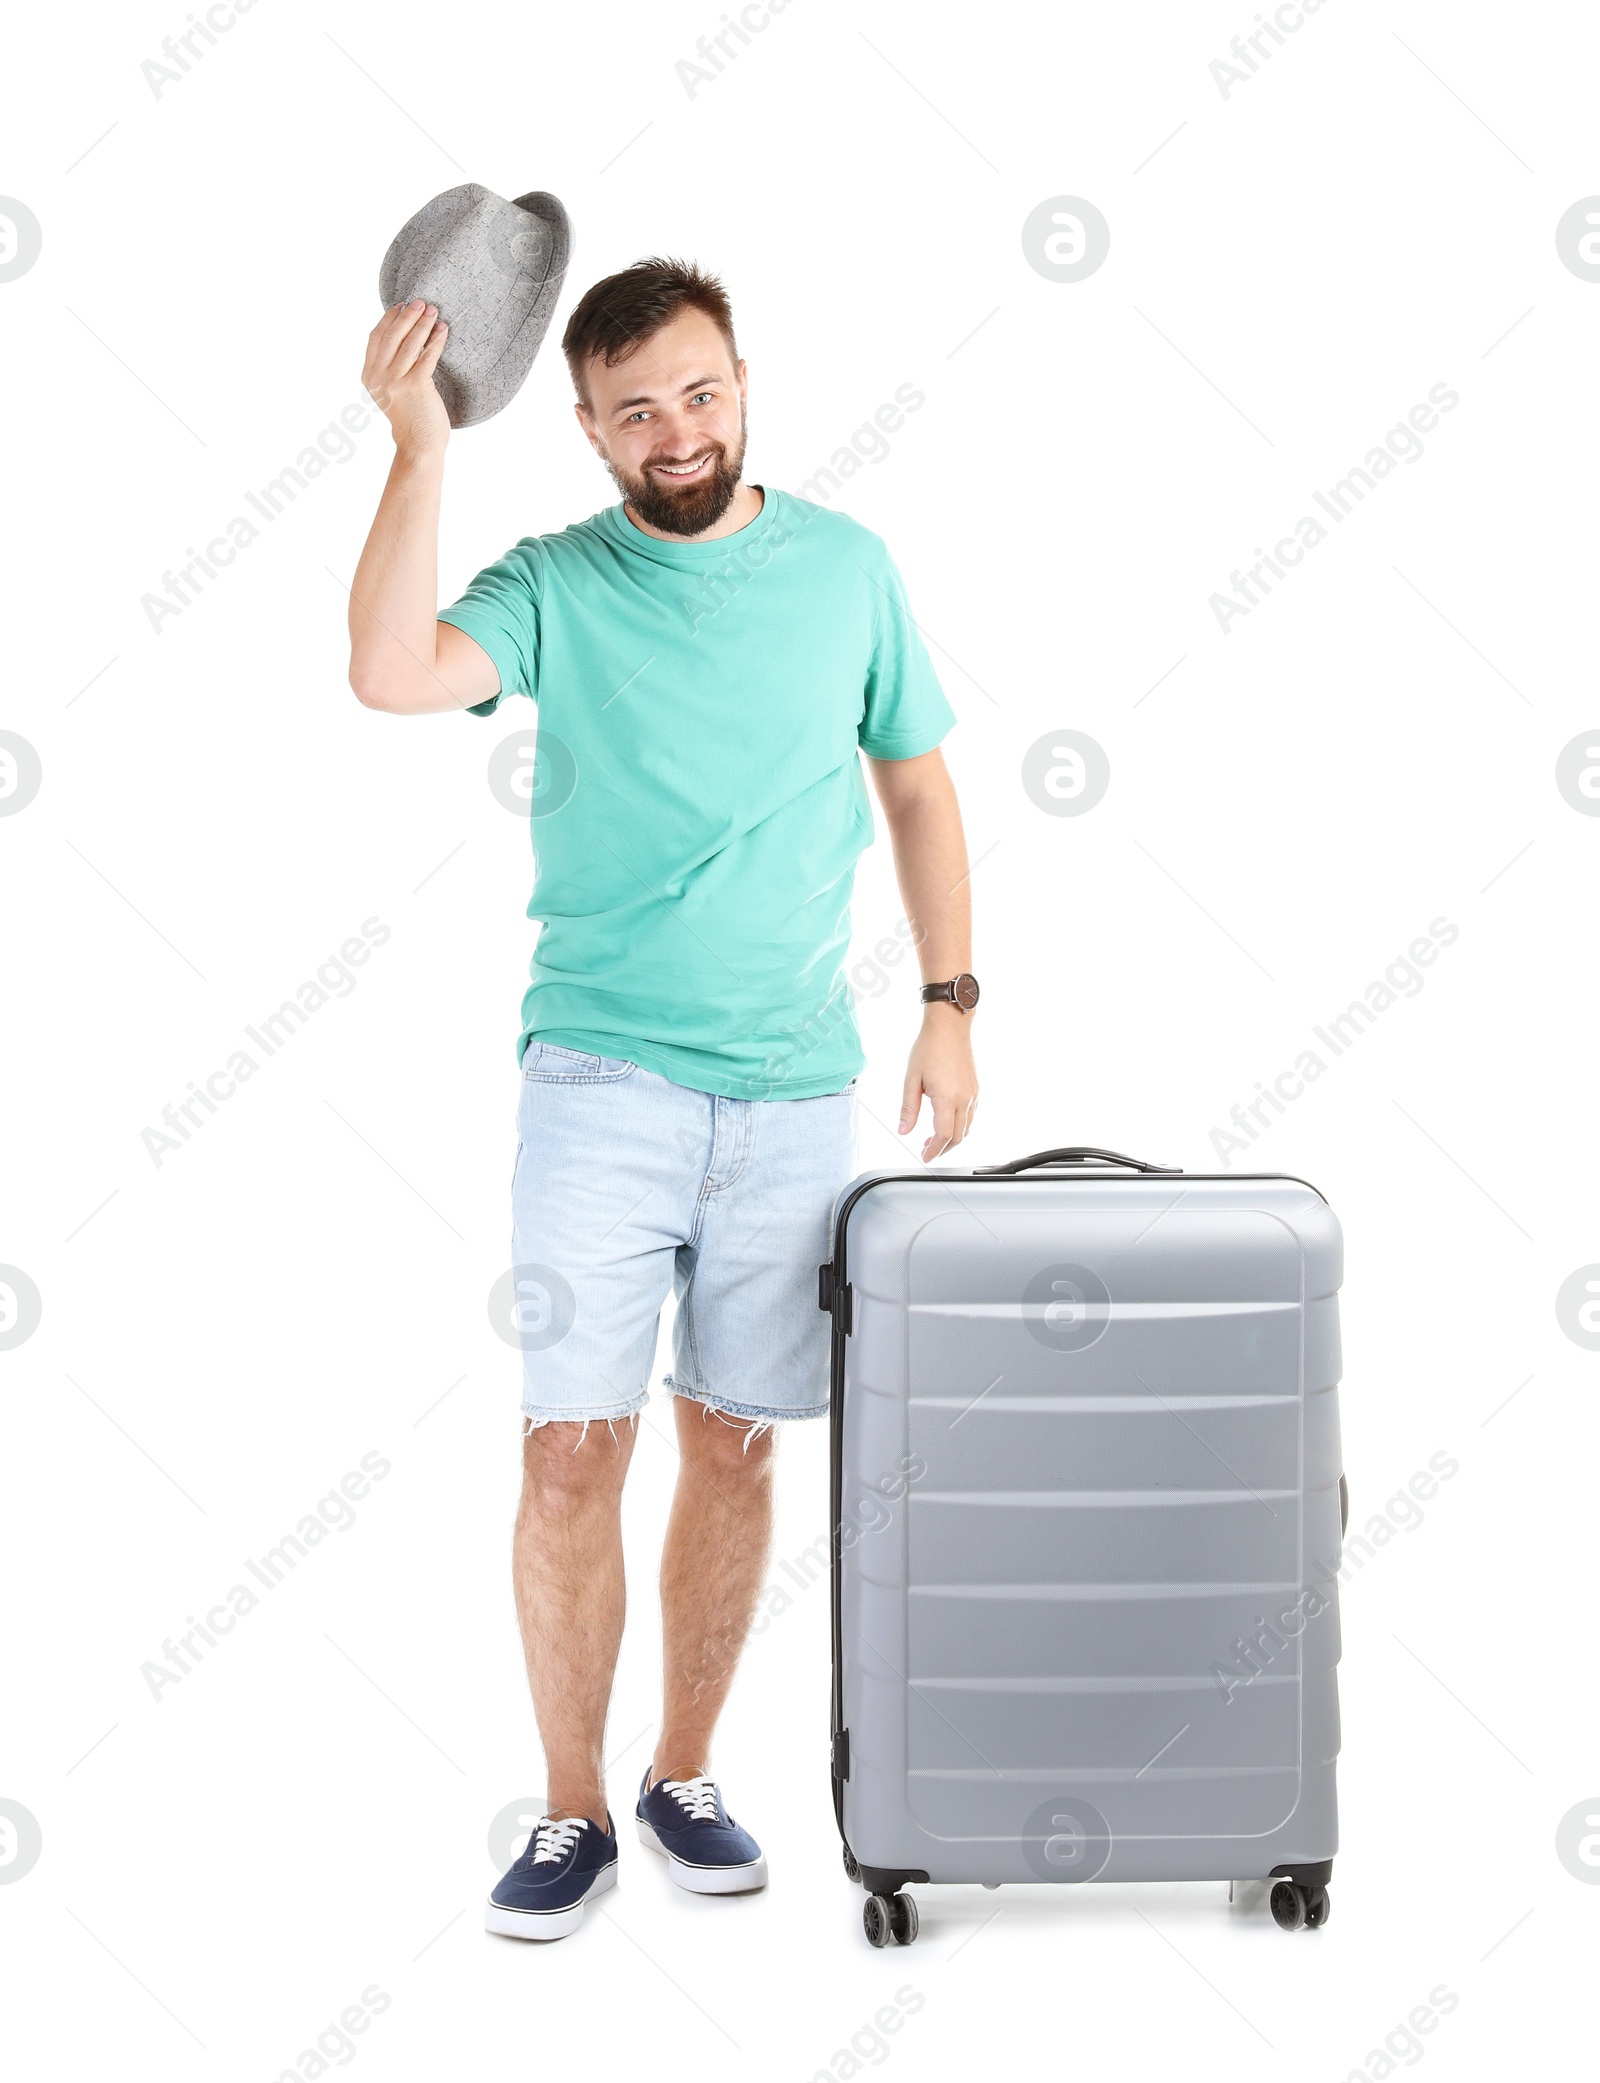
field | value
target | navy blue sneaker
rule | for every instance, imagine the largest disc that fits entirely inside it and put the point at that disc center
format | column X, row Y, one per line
column 542, row 1895
column 705, row 1849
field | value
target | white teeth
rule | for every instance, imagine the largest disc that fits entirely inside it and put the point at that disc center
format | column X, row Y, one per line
column 679, row 469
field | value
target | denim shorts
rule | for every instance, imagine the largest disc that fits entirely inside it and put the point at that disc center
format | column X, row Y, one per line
column 629, row 1187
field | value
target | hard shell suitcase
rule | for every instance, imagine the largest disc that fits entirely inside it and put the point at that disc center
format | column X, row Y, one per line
column 1087, row 1506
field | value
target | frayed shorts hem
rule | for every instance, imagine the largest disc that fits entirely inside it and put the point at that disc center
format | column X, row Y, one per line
column 749, row 1412
column 533, row 1420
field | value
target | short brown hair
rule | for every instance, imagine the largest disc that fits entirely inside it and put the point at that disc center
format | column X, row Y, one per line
column 618, row 314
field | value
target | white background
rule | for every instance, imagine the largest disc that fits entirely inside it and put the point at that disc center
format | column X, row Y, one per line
column 226, row 1334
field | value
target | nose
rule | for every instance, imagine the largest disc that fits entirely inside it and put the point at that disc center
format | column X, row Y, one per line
column 678, row 438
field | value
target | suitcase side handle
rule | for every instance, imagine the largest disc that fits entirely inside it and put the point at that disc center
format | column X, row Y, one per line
column 1078, row 1154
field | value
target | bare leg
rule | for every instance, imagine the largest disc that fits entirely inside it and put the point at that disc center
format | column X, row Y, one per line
column 713, row 1562
column 567, row 1574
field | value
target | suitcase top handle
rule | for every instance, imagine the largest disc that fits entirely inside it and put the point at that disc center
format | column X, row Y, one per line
column 1076, row 1154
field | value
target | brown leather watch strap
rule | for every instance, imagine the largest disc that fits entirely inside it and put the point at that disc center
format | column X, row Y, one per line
column 960, row 991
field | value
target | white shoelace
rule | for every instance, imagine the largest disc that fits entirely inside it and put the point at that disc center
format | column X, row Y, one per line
column 696, row 1797
column 553, row 1840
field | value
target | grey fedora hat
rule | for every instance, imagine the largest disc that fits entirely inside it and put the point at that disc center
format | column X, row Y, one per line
column 495, row 270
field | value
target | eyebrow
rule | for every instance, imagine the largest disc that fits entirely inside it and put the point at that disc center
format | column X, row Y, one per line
column 700, row 383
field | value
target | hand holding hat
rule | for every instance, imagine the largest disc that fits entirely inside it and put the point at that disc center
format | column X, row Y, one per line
column 494, row 270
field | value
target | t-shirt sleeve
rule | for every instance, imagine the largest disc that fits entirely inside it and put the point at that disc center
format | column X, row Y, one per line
column 500, row 612
column 906, row 712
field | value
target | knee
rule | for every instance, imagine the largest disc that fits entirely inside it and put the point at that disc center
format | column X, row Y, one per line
column 568, row 1466
column 730, row 1449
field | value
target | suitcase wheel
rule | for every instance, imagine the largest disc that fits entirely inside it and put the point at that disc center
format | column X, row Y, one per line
column 852, row 1869
column 1294, row 1906
column 889, row 1920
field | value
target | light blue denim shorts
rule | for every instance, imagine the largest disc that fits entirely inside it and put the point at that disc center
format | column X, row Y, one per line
column 629, row 1187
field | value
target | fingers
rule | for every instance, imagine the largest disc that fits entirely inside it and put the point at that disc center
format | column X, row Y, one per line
column 399, row 318
column 409, row 346
column 910, row 1101
column 952, row 1110
column 945, row 1132
column 428, row 360
column 952, row 1118
column 396, row 341
column 397, row 321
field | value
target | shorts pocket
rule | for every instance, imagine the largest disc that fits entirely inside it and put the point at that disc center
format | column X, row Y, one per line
column 547, row 1063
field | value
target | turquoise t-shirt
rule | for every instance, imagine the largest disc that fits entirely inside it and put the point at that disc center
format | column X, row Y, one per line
column 697, row 802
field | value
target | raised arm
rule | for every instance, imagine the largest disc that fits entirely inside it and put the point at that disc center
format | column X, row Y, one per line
column 401, row 658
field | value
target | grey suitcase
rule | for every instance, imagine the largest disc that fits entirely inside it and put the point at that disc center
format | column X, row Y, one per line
column 1087, row 1506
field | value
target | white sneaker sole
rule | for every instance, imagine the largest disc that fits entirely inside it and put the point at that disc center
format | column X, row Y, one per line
column 705, row 1880
column 548, row 1923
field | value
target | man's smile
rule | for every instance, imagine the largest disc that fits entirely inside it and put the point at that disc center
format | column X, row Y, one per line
column 681, row 473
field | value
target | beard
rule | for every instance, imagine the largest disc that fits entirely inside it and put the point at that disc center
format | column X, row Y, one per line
column 688, row 509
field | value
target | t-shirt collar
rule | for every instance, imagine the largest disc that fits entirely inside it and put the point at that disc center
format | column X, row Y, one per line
column 685, row 555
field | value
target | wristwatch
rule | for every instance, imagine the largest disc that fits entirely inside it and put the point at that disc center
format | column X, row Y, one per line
column 961, row 992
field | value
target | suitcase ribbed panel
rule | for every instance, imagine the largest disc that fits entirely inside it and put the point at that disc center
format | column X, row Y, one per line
column 1103, row 1594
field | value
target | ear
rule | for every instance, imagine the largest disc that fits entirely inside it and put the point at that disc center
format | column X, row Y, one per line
column 586, row 420
column 742, row 371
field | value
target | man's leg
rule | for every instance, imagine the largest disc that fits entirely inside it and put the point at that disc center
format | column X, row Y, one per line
column 567, row 1572
column 713, row 1564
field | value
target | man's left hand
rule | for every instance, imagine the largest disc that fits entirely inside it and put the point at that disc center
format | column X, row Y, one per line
column 941, row 1067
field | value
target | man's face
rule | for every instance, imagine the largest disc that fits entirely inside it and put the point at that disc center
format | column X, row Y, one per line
column 668, row 423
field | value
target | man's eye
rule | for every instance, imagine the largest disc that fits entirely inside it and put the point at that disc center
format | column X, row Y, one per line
column 699, row 395
column 638, row 415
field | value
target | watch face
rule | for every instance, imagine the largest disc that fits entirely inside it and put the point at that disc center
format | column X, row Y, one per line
column 966, row 992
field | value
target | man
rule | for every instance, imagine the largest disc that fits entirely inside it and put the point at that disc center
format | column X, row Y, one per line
column 707, row 658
